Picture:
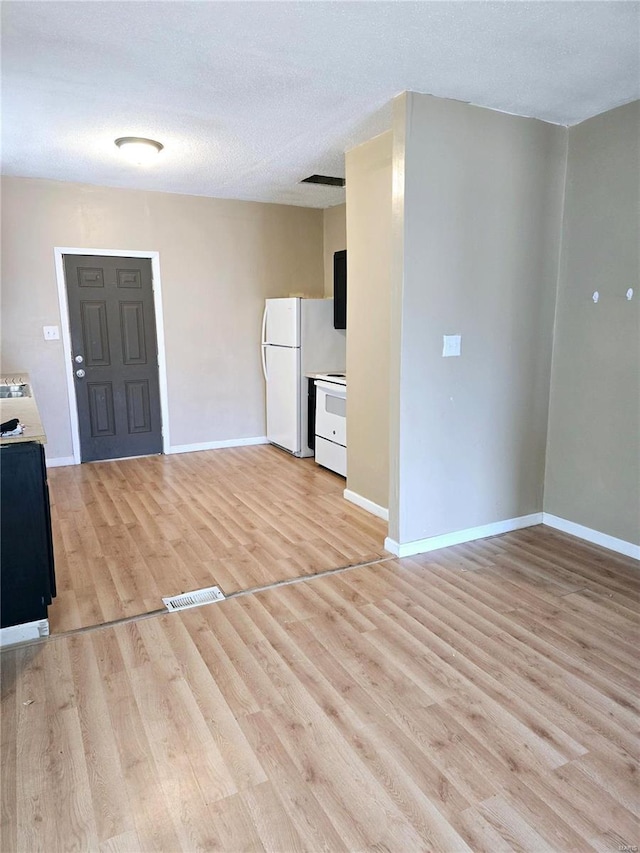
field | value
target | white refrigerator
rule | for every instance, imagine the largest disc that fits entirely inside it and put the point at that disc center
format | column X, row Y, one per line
column 297, row 338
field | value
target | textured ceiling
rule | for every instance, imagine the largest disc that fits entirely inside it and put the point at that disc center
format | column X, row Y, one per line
column 249, row 98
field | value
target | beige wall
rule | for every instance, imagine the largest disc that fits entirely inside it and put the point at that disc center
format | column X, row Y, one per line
column 477, row 214
column 218, row 260
column 335, row 240
column 368, row 171
column 593, row 460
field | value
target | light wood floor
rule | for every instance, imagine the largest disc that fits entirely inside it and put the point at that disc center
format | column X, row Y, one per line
column 482, row 698
column 127, row 533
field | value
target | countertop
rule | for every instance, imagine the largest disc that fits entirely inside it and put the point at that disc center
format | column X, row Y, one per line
column 23, row 408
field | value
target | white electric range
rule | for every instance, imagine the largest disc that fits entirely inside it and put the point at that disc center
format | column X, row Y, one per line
column 331, row 422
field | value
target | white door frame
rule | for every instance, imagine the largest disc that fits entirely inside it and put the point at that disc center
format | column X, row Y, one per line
column 154, row 257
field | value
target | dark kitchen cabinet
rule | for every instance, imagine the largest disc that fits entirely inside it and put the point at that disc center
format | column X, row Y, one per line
column 27, row 574
column 340, row 290
column 311, row 414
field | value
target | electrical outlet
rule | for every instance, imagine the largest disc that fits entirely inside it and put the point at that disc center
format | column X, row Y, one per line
column 51, row 333
column 451, row 345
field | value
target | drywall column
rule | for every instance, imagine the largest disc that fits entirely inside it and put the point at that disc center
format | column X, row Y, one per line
column 593, row 458
column 334, row 232
column 477, row 203
column 368, row 170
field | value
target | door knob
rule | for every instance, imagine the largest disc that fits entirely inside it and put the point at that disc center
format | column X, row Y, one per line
column 80, row 373
column 78, row 359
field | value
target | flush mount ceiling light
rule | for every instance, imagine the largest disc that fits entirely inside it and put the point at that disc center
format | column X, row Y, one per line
column 139, row 150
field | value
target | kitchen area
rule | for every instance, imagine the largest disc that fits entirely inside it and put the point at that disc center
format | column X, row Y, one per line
column 27, row 571
column 303, row 362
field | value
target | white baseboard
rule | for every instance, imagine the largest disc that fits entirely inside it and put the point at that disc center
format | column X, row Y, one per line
column 433, row 543
column 216, row 445
column 178, row 448
column 365, row 503
column 594, row 536
column 60, row 461
column 21, row 633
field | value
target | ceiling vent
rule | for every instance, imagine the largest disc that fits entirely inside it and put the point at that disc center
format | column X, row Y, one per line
column 326, row 180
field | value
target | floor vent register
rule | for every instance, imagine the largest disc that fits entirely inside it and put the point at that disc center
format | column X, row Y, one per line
column 193, row 599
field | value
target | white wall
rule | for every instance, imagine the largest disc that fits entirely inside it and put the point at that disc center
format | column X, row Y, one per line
column 477, row 204
column 219, row 260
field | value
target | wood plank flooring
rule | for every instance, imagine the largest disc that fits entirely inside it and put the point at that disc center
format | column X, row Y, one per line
column 483, row 697
column 128, row 533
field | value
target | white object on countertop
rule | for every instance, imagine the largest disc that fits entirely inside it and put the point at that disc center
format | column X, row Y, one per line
column 25, row 409
column 17, row 431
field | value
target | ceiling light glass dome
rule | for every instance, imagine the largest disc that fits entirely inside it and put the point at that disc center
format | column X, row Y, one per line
column 139, row 150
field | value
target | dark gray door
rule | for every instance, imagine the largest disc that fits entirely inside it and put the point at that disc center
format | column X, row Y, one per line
column 114, row 350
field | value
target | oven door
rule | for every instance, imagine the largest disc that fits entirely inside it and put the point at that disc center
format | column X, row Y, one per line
column 331, row 412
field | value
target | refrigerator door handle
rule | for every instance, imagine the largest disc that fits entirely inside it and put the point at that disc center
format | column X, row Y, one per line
column 263, row 343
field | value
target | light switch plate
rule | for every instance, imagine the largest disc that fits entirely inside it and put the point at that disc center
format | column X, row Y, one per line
column 51, row 333
column 451, row 345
